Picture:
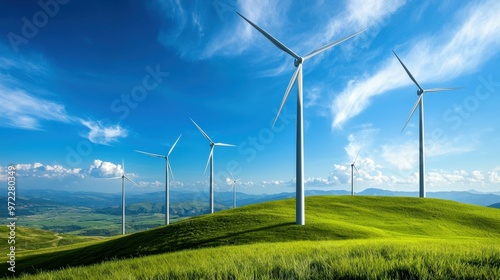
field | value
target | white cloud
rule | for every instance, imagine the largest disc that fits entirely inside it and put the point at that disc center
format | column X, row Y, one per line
column 494, row 177
column 405, row 156
column 474, row 39
column 401, row 156
column 101, row 134
column 104, row 169
column 40, row 170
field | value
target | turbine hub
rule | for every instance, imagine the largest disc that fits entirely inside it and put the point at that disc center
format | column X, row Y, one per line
column 419, row 91
column 297, row 62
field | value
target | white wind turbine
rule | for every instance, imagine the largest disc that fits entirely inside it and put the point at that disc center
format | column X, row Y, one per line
column 233, row 184
column 297, row 76
column 211, row 162
column 353, row 166
column 420, row 103
column 123, row 177
column 168, row 169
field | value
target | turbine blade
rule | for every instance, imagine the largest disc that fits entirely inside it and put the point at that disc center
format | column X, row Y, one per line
column 356, row 169
column 356, row 158
column 171, row 172
column 150, row 154
column 209, row 158
column 224, row 144
column 440, row 89
column 287, row 92
column 112, row 178
column 326, row 47
column 202, row 132
column 273, row 40
column 131, row 180
column 408, row 72
column 173, row 146
column 232, row 178
column 412, row 111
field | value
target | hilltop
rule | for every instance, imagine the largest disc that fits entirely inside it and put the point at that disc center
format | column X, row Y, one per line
column 329, row 218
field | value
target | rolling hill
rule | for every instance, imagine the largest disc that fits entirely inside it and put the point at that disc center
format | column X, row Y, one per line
column 495, row 205
column 337, row 219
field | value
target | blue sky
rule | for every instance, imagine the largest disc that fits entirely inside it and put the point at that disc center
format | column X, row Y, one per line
column 85, row 83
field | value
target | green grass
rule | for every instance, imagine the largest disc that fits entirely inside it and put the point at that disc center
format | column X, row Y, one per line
column 396, row 226
column 348, row 259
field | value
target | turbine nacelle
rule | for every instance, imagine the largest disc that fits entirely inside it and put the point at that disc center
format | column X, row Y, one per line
column 419, row 91
column 298, row 61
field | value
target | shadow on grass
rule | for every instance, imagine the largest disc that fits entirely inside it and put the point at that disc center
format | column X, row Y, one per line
column 156, row 241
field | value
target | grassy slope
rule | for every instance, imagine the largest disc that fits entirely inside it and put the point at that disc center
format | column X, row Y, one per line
column 402, row 258
column 328, row 218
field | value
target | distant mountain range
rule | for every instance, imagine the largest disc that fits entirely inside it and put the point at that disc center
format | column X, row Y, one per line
column 47, row 198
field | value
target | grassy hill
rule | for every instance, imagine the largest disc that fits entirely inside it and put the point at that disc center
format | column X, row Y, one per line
column 343, row 224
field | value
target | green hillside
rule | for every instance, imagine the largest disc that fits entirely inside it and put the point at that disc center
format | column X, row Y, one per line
column 336, row 218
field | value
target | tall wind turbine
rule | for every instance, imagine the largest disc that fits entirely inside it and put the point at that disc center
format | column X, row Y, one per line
column 168, row 169
column 123, row 177
column 233, row 183
column 297, row 76
column 352, row 172
column 211, row 161
column 420, row 103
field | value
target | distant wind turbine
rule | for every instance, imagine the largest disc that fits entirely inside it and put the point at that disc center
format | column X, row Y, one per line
column 168, row 169
column 233, row 183
column 123, row 177
column 420, row 103
column 352, row 172
column 211, row 162
column 297, row 76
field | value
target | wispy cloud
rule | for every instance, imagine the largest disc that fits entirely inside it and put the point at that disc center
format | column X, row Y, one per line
column 236, row 35
column 23, row 110
column 361, row 14
column 21, row 107
column 473, row 39
column 103, row 134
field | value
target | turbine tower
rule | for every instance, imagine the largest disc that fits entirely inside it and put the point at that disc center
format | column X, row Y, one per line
column 297, row 76
column 168, row 169
column 352, row 172
column 420, row 103
column 123, row 177
column 233, row 183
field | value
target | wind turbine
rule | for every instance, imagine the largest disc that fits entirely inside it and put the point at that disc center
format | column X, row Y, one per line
column 420, row 103
column 211, row 161
column 352, row 172
column 123, row 177
column 168, row 169
column 233, row 183
column 297, row 76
